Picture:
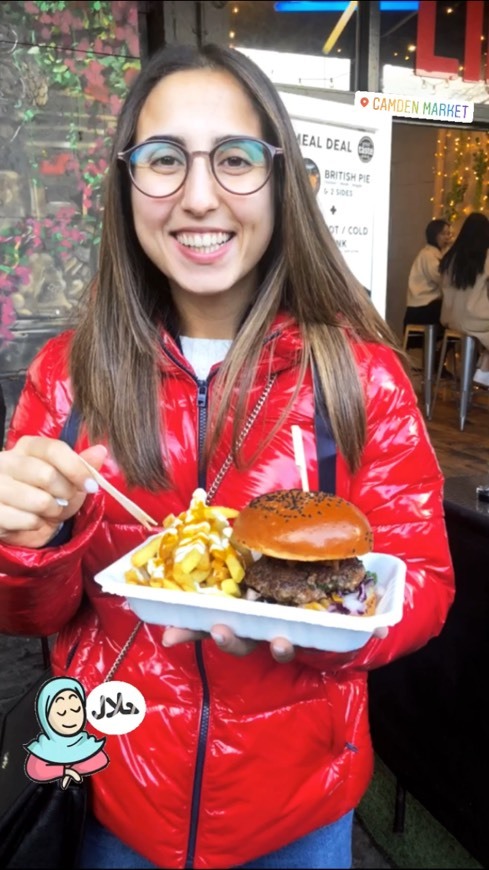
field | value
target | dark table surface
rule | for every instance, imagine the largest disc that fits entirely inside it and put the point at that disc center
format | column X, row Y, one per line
column 461, row 498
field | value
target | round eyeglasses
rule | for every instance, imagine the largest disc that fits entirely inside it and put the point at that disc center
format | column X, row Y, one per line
column 159, row 167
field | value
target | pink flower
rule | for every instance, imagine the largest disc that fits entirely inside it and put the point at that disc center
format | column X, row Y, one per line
column 115, row 103
column 132, row 41
column 66, row 213
column 23, row 273
column 7, row 311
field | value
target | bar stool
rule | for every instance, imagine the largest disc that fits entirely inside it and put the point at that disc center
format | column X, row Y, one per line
column 428, row 331
column 467, row 367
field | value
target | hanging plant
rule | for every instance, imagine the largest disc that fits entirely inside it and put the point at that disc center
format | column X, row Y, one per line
column 96, row 76
column 480, row 164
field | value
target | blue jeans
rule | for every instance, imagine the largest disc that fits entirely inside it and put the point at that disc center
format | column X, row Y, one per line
column 328, row 847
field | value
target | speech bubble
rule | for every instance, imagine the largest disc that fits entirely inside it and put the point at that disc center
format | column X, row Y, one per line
column 115, row 707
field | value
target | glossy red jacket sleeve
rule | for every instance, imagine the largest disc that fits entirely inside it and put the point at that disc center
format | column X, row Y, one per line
column 41, row 589
column 399, row 487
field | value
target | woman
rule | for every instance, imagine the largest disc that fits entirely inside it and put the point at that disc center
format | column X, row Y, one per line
column 465, row 273
column 424, row 291
column 63, row 750
column 219, row 286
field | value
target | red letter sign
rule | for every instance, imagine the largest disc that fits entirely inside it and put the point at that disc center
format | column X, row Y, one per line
column 427, row 62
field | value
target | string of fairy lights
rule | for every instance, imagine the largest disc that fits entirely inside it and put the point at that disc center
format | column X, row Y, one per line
column 461, row 174
column 232, row 31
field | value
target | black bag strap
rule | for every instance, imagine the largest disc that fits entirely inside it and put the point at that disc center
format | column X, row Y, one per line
column 71, row 427
column 325, row 443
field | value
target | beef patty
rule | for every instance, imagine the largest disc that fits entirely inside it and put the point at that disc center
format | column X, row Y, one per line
column 289, row 582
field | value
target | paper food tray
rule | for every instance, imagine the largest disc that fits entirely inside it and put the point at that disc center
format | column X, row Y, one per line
column 261, row 621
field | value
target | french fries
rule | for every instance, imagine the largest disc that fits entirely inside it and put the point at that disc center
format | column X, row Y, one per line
column 193, row 553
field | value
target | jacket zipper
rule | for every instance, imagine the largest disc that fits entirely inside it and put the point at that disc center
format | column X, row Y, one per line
column 202, row 391
column 202, row 397
column 200, row 760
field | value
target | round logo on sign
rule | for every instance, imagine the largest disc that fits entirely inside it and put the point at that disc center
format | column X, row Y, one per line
column 365, row 149
column 115, row 707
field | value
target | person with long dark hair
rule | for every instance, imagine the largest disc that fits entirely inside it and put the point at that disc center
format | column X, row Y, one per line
column 222, row 313
column 465, row 282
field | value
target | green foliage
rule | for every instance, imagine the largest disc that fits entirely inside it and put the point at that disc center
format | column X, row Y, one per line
column 96, row 76
column 480, row 164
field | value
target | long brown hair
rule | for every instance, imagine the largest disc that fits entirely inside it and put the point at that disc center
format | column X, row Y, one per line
column 115, row 356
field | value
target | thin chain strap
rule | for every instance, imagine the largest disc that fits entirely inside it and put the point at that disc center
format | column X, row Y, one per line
column 210, row 495
column 123, row 651
column 246, row 428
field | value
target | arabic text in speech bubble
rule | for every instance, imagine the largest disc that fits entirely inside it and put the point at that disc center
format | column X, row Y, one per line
column 115, row 707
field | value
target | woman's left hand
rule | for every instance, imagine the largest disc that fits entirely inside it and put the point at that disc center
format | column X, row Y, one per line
column 280, row 648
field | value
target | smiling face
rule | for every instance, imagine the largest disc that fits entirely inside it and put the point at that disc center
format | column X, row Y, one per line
column 66, row 713
column 207, row 241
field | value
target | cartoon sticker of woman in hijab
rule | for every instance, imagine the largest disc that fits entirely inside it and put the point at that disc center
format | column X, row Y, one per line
column 63, row 750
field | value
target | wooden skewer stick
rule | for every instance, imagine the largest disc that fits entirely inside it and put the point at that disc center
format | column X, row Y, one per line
column 130, row 506
column 300, row 458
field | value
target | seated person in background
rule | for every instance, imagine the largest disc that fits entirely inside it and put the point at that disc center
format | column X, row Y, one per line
column 424, row 290
column 464, row 272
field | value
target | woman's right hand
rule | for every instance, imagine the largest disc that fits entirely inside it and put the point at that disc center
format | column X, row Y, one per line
column 35, row 473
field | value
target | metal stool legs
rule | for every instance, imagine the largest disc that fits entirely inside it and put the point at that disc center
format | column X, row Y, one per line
column 467, row 367
column 429, row 365
column 441, row 363
column 429, row 349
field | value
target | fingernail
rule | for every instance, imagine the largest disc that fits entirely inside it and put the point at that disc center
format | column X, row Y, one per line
column 217, row 638
column 90, row 485
column 63, row 502
column 280, row 651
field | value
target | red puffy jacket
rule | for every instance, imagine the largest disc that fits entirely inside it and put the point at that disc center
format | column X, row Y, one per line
column 236, row 756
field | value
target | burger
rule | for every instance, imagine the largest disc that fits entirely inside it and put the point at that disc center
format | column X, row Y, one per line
column 306, row 548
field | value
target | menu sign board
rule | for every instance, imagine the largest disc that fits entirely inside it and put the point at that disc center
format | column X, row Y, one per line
column 348, row 160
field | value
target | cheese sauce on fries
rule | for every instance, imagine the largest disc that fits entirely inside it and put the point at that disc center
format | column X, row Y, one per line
column 193, row 553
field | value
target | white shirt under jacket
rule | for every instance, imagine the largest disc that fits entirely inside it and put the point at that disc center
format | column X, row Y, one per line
column 424, row 283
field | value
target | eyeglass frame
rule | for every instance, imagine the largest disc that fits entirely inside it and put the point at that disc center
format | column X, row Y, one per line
column 125, row 156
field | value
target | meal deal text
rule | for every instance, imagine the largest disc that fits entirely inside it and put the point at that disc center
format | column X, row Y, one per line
column 342, row 165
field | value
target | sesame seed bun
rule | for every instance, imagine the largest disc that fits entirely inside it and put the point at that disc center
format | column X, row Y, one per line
column 306, row 526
